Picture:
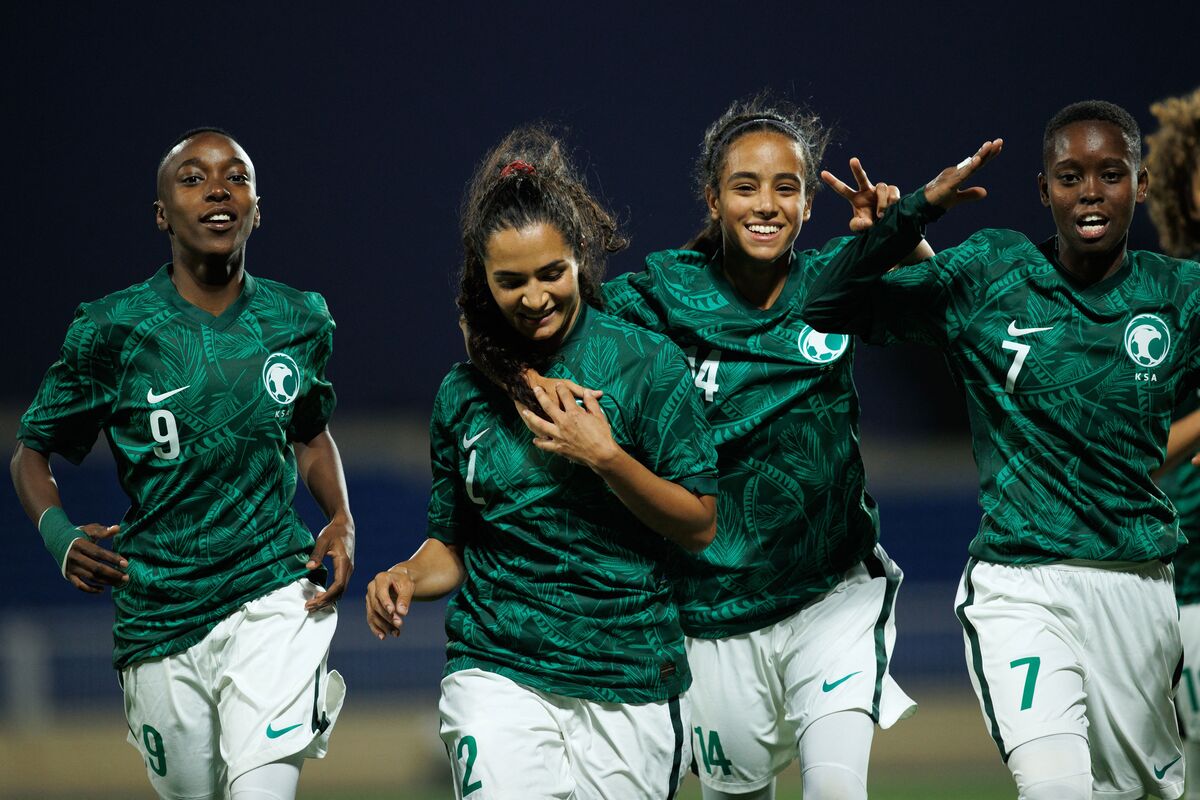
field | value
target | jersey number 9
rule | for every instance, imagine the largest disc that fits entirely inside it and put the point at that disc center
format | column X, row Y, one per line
column 165, row 432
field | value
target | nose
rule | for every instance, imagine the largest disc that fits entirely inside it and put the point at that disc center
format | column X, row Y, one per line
column 217, row 191
column 535, row 296
column 1089, row 191
column 764, row 203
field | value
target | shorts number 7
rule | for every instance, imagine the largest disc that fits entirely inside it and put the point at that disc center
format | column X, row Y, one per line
column 1034, row 663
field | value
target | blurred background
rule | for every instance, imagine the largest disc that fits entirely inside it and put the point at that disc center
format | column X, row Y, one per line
column 364, row 122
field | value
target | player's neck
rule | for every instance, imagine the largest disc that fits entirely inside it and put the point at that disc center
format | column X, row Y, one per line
column 757, row 283
column 1091, row 268
column 209, row 286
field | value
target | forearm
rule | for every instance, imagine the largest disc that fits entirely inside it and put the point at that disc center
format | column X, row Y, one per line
column 665, row 507
column 34, row 482
column 320, row 467
column 840, row 299
column 436, row 570
column 1182, row 442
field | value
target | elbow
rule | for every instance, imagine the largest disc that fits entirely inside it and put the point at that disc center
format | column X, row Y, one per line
column 699, row 540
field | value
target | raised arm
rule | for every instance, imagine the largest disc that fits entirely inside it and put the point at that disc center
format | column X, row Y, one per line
column 840, row 300
column 582, row 434
column 434, row 571
column 88, row 566
column 320, row 467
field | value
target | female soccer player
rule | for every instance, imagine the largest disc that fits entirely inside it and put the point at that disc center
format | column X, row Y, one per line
column 1173, row 159
column 1071, row 354
column 210, row 388
column 565, row 658
column 789, row 614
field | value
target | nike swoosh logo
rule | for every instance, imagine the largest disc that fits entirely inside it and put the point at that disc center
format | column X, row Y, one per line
column 275, row 734
column 1013, row 330
column 826, row 686
column 153, row 398
column 468, row 442
column 1159, row 773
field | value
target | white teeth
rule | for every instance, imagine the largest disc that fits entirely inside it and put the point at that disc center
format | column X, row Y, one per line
column 219, row 218
column 765, row 229
column 1091, row 219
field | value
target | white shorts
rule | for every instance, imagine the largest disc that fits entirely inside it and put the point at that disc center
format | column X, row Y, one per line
column 254, row 691
column 753, row 695
column 1082, row 648
column 1187, row 698
column 506, row 741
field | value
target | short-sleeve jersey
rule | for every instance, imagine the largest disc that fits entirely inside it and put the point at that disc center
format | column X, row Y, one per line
column 1070, row 388
column 793, row 511
column 566, row 590
column 1182, row 485
column 199, row 412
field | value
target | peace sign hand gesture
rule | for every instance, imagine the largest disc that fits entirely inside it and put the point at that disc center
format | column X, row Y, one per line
column 868, row 201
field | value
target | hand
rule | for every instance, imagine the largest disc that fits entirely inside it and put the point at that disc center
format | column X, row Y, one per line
column 389, row 596
column 868, row 201
column 579, row 434
column 90, row 567
column 336, row 540
column 943, row 190
column 550, row 386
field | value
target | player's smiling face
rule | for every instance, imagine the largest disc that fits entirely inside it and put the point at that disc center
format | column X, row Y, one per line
column 206, row 197
column 1091, row 186
column 534, row 279
column 761, row 200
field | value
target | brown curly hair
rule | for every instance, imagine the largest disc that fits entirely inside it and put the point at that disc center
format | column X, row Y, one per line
column 524, row 180
column 1173, row 159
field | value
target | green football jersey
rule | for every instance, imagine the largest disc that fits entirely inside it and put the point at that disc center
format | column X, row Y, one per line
column 199, row 412
column 566, row 590
column 1070, row 389
column 1182, row 485
column 793, row 510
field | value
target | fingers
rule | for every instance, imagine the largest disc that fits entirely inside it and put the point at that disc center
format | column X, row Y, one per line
column 860, row 175
column 538, row 426
column 389, row 596
column 592, row 404
column 341, row 578
column 835, row 184
column 93, row 567
column 96, row 531
column 548, row 403
column 320, row 550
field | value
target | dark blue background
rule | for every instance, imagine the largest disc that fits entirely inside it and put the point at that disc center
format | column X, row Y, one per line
column 365, row 120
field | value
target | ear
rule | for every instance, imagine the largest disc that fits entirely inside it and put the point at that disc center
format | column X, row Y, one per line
column 1044, row 189
column 711, row 198
column 1143, row 184
column 160, row 217
column 257, row 212
column 807, row 209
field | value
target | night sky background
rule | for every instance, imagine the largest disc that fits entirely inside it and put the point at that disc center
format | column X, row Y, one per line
column 365, row 120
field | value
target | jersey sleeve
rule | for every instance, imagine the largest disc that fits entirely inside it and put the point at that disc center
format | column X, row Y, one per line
column 451, row 514
column 673, row 434
column 843, row 298
column 628, row 297
column 75, row 398
column 315, row 407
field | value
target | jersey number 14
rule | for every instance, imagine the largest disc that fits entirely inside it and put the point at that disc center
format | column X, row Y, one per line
column 705, row 375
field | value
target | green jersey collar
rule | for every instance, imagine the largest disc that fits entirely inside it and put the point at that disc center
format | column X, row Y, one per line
column 164, row 288
column 727, row 290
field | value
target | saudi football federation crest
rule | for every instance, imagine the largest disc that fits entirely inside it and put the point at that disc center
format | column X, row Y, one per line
column 281, row 377
column 1147, row 340
column 822, row 348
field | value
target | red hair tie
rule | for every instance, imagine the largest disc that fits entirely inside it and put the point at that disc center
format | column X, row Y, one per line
column 517, row 166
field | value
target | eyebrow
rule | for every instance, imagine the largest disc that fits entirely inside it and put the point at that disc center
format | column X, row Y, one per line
column 507, row 273
column 754, row 175
column 196, row 162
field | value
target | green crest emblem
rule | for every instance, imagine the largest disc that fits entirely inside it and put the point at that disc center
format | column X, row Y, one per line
column 1147, row 340
column 822, row 348
column 281, row 377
